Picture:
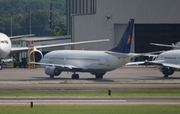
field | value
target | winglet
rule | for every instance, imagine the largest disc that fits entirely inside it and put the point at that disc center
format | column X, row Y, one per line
column 124, row 44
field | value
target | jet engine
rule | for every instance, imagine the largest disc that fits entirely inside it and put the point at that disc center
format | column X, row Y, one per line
column 52, row 71
column 38, row 55
column 167, row 71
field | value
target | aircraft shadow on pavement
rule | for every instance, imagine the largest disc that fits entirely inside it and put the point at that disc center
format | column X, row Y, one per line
column 160, row 78
column 60, row 79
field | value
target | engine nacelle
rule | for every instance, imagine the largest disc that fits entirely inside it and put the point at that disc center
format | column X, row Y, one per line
column 167, row 71
column 52, row 71
column 38, row 55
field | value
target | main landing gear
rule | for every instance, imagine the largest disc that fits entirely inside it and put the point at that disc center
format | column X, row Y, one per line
column 1, row 66
column 99, row 75
column 75, row 76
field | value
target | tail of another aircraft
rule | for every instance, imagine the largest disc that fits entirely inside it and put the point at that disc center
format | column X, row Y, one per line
column 124, row 44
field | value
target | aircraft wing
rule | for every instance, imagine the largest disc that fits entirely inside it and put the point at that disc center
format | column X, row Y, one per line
column 176, row 66
column 162, row 63
column 135, row 63
column 158, row 62
column 59, row 66
column 20, row 36
column 164, row 45
column 19, row 49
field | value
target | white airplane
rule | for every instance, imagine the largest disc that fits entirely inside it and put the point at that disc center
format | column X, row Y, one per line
column 95, row 62
column 5, row 44
column 167, row 61
column 173, row 46
column 6, row 49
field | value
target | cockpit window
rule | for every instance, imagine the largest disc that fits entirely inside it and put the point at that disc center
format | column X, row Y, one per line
column 4, row 41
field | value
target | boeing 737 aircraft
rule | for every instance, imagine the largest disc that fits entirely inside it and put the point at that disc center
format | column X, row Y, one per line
column 6, row 49
column 167, row 62
column 95, row 62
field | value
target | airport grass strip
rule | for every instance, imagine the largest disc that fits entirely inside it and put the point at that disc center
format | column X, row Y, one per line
column 113, row 109
column 90, row 93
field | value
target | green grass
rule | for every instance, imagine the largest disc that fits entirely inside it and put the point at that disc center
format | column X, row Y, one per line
column 113, row 109
column 91, row 93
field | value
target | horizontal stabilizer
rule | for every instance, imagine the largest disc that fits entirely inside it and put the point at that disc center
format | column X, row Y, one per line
column 164, row 45
column 117, row 54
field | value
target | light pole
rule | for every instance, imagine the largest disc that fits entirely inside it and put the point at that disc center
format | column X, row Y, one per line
column 30, row 22
column 11, row 23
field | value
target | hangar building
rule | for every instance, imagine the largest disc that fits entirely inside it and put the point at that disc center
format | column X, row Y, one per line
column 156, row 21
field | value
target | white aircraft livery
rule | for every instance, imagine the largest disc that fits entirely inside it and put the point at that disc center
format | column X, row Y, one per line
column 95, row 62
column 168, row 61
column 6, row 49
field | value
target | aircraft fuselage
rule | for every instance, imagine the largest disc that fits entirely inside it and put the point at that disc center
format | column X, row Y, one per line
column 89, row 61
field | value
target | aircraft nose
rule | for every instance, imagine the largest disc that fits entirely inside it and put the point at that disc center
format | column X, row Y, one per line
column 4, row 51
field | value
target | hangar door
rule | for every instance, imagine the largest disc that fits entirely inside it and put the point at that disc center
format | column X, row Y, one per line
column 155, row 33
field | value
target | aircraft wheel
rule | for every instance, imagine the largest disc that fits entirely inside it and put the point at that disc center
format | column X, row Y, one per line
column 0, row 67
column 99, row 76
column 51, row 76
column 76, row 76
column 166, row 76
column 73, row 76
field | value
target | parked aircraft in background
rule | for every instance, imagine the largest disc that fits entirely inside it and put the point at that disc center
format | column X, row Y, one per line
column 95, row 62
column 5, row 44
column 6, row 49
column 173, row 46
column 167, row 61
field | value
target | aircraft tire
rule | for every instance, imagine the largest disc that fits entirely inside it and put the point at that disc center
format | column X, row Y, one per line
column 76, row 76
column 51, row 76
column 166, row 76
column 1, row 67
column 99, row 76
column 73, row 76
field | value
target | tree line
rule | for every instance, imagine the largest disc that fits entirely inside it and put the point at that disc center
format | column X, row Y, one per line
column 19, row 17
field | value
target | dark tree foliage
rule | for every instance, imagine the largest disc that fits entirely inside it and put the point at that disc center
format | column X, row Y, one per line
column 15, row 16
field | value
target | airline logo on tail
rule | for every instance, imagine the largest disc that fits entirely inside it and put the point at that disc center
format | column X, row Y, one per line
column 124, row 44
column 129, row 40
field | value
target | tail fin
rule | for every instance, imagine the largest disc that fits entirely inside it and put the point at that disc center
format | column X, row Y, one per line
column 124, row 44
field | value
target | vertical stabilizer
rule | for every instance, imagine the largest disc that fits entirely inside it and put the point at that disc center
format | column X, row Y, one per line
column 124, row 44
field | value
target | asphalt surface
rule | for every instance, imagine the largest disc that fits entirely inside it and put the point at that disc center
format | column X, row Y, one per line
column 122, row 78
column 123, row 74
column 89, row 101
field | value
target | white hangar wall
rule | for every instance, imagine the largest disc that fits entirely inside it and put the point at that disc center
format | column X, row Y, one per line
column 98, row 26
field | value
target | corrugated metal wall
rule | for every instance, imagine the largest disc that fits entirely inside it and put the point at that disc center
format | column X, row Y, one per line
column 98, row 26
